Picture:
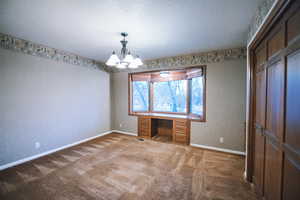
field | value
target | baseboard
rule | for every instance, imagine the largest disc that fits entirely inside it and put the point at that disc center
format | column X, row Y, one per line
column 123, row 132
column 219, row 149
column 245, row 175
column 8, row 165
column 194, row 145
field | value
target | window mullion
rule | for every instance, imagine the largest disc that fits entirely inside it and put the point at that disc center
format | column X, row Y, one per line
column 130, row 107
column 150, row 96
column 188, row 96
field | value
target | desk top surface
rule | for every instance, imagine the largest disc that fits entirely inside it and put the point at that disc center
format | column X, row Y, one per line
column 164, row 115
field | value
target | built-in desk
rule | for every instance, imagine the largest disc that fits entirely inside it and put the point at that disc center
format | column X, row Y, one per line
column 177, row 127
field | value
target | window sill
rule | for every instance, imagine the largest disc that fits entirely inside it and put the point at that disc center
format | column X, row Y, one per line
column 167, row 115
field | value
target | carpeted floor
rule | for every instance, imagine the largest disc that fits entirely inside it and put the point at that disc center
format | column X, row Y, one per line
column 162, row 138
column 121, row 167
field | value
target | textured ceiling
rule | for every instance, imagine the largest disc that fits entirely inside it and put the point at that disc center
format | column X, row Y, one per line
column 157, row 28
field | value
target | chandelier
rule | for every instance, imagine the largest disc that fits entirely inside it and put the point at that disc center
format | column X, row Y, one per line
column 127, row 60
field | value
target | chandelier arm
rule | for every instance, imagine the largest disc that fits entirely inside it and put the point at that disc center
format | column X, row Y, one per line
column 124, row 49
column 127, row 60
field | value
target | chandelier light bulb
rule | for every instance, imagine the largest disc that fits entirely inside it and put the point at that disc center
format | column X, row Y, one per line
column 121, row 65
column 138, row 61
column 133, row 65
column 113, row 60
column 127, row 60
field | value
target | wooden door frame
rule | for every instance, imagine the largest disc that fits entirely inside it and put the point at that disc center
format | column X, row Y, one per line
column 279, row 7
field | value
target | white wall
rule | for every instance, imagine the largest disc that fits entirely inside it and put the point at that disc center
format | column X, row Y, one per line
column 45, row 101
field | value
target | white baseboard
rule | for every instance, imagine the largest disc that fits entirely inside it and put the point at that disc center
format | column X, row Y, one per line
column 219, row 149
column 123, row 132
column 8, row 165
column 2, row 167
column 194, row 145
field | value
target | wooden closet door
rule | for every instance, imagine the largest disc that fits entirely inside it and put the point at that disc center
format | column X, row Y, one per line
column 280, row 143
column 291, row 178
column 260, row 111
column 274, row 116
column 291, row 185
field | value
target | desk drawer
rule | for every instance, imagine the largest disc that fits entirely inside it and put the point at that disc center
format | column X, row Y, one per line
column 180, row 127
column 144, row 126
column 181, row 131
column 143, row 133
column 181, row 138
column 144, row 122
column 180, row 123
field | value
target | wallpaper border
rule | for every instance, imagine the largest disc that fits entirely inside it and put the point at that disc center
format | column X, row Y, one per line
column 188, row 60
column 180, row 61
column 259, row 17
column 27, row 47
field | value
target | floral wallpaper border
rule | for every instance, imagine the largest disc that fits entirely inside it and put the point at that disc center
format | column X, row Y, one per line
column 190, row 60
column 259, row 17
column 30, row 48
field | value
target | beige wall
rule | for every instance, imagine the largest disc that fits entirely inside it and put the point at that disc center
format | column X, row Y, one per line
column 49, row 102
column 225, row 95
column 120, row 119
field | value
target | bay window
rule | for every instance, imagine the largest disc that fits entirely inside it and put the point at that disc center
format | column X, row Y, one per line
column 179, row 92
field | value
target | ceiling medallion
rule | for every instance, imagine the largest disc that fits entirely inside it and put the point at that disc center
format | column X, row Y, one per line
column 127, row 60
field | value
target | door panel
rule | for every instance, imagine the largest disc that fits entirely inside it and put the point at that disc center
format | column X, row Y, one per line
column 292, row 137
column 260, row 56
column 260, row 102
column 293, row 26
column 274, row 131
column 260, row 98
column 291, row 182
column 276, row 43
column 272, row 172
column 275, row 98
column 259, row 159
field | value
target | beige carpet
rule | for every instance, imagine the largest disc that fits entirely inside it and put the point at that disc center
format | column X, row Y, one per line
column 163, row 138
column 121, row 167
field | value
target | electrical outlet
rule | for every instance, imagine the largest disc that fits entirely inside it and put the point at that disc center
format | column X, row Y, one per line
column 121, row 125
column 37, row 145
column 221, row 140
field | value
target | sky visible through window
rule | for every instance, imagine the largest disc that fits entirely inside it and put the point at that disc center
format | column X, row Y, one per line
column 197, row 96
column 140, row 97
column 170, row 96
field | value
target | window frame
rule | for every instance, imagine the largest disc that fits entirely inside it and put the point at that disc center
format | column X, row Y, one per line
column 191, row 116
